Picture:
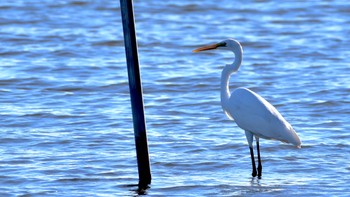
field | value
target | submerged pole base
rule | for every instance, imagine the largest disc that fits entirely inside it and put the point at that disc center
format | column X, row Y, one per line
column 142, row 188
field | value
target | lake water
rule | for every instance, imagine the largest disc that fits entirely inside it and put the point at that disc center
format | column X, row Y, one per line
column 66, row 124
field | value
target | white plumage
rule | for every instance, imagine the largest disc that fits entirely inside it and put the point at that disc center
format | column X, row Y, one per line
column 250, row 111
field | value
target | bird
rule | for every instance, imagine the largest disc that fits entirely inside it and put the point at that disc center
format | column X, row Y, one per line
column 251, row 112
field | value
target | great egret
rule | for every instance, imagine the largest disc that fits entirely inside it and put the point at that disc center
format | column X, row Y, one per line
column 251, row 112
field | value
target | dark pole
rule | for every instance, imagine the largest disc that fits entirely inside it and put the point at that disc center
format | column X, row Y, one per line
column 136, row 93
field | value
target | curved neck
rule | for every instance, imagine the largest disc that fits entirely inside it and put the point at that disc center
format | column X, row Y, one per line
column 225, row 89
column 225, row 77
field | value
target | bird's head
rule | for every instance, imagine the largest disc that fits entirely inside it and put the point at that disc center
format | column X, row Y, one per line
column 229, row 44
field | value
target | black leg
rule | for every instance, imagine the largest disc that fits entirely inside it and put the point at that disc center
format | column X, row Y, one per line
column 253, row 161
column 259, row 160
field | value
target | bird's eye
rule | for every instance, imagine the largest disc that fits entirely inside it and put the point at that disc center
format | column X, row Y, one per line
column 222, row 44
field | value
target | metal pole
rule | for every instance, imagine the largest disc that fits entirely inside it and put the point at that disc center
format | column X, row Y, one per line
column 136, row 93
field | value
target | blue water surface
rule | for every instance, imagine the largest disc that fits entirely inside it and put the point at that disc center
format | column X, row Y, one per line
column 66, row 124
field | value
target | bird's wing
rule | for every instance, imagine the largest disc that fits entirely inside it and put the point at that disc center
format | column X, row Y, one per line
column 253, row 113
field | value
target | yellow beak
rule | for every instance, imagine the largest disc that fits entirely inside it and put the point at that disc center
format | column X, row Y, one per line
column 208, row 47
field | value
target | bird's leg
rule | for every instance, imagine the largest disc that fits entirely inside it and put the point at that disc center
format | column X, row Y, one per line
column 249, row 135
column 259, row 159
column 253, row 161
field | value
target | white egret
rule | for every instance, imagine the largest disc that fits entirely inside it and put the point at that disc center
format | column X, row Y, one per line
column 257, row 117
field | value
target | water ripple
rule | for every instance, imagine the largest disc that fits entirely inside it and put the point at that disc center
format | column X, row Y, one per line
column 66, row 124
